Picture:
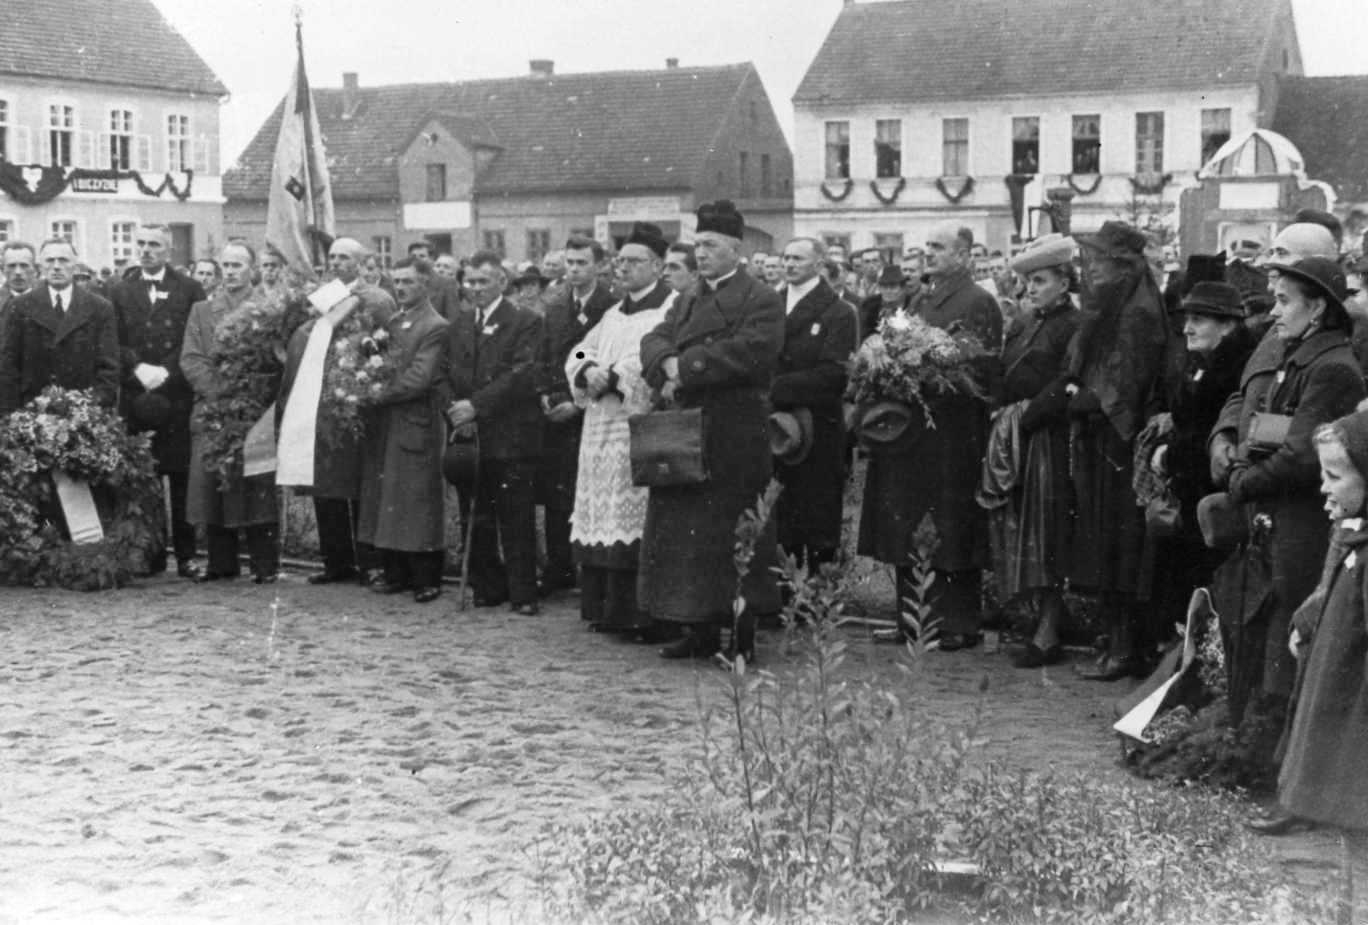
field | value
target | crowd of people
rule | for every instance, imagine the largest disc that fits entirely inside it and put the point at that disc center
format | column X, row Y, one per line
column 1139, row 430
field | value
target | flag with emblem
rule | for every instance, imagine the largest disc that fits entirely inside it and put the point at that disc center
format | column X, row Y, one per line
column 299, row 212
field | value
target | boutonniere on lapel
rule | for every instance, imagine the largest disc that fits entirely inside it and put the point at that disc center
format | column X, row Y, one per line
column 155, row 295
column 816, row 328
column 489, row 329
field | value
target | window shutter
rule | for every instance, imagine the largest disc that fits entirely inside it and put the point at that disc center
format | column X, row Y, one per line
column 143, row 158
column 85, row 149
column 44, row 147
column 203, row 156
column 104, row 155
column 22, row 141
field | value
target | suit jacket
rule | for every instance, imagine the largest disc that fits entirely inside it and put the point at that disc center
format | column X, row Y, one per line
column 154, row 333
column 77, row 349
column 561, row 331
column 495, row 368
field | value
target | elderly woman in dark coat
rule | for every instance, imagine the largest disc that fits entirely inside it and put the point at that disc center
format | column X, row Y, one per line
column 1275, row 480
column 1033, row 358
column 717, row 349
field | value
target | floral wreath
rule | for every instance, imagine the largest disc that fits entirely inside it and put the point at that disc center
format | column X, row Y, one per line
column 1150, row 184
column 834, row 197
column 1073, row 184
column 955, row 198
column 891, row 197
column 360, row 365
column 67, row 432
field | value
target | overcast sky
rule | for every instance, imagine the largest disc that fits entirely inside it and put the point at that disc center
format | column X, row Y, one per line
column 250, row 43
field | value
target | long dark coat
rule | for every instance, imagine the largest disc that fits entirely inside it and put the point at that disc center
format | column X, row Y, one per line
column 495, row 368
column 562, row 329
column 337, row 452
column 1261, row 584
column 936, row 470
column 819, row 336
column 77, row 349
column 154, row 333
column 247, row 501
column 402, row 491
column 727, row 343
column 1322, row 776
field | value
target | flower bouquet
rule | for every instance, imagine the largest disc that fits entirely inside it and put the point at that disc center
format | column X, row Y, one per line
column 360, row 365
column 908, row 362
column 249, row 351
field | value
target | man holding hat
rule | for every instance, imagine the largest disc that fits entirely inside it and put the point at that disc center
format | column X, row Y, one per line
column 807, row 427
column 717, row 349
column 152, row 306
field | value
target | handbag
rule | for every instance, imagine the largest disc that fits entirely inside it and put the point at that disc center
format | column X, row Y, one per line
column 1268, row 432
column 667, row 448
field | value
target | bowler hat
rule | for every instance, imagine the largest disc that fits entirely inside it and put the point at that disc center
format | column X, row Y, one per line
column 790, row 435
column 1322, row 274
column 150, row 410
column 1051, row 250
column 1116, row 240
column 891, row 275
column 1215, row 300
column 1222, row 521
column 721, row 217
column 460, row 461
column 649, row 236
column 885, row 421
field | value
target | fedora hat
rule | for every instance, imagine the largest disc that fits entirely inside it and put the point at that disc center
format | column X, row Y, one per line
column 1322, row 274
column 1222, row 521
column 885, row 421
column 891, row 275
column 1215, row 300
column 460, row 461
column 790, row 435
column 1051, row 250
column 150, row 410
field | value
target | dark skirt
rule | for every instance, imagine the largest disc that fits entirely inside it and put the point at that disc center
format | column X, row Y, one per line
column 1110, row 530
column 1045, row 523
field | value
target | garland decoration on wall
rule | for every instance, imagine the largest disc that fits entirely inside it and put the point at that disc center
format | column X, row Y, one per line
column 891, row 197
column 849, row 185
column 955, row 198
column 1073, row 184
column 35, row 184
column 1149, row 184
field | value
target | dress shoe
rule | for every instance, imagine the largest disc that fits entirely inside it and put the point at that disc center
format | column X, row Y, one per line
column 525, row 610
column 693, row 644
column 953, row 642
column 1036, row 657
column 266, row 579
column 1279, row 823
column 1110, row 668
column 214, row 576
column 369, row 576
column 188, row 569
column 330, row 578
column 389, row 587
column 427, row 595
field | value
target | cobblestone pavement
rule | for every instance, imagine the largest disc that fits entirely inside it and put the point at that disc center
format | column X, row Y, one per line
column 233, row 753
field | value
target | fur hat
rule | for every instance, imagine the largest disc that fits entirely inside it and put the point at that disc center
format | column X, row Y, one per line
column 721, row 217
column 1051, row 250
column 650, row 237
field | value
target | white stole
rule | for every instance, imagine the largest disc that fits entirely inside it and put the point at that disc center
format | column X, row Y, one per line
column 299, row 423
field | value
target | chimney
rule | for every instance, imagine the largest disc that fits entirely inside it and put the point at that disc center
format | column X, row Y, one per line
column 671, row 64
column 350, row 94
column 541, row 67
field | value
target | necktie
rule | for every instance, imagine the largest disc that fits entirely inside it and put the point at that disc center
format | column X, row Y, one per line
column 57, row 301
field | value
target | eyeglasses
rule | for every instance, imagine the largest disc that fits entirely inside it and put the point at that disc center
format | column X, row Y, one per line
column 630, row 261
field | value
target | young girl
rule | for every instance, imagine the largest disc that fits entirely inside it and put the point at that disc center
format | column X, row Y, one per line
column 1323, row 778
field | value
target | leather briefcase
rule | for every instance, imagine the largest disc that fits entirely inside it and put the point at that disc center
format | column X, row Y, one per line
column 1268, row 432
column 667, row 448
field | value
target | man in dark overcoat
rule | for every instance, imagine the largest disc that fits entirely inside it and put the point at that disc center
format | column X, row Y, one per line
column 402, row 492
column 489, row 387
column 568, row 319
column 19, row 263
column 58, row 334
column 717, row 349
column 936, row 470
column 819, row 336
column 336, row 488
column 152, row 307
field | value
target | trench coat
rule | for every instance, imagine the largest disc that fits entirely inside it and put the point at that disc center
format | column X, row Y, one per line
column 1263, row 581
column 819, row 337
column 153, row 333
column 247, row 501
column 78, row 349
column 727, row 341
column 1322, row 776
column 936, row 470
column 402, row 491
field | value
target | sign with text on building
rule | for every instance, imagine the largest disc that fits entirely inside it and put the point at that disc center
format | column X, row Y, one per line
column 94, row 185
column 644, row 207
column 1237, row 196
column 436, row 216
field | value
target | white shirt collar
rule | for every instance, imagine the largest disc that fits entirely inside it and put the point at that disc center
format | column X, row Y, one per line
column 714, row 283
column 63, row 294
column 796, row 293
column 488, row 312
column 154, row 277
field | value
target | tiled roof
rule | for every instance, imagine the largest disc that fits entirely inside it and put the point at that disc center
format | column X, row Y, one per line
column 917, row 50
column 122, row 42
column 1323, row 117
column 599, row 131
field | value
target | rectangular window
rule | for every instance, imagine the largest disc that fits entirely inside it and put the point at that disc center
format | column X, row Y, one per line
column 383, row 245
column 1149, row 142
column 890, row 247
column 1215, row 131
column 4, row 130
column 766, row 176
column 538, row 243
column 1026, row 145
column 120, row 152
column 581, row 232
column 65, row 230
column 494, row 241
column 121, row 238
column 955, row 147
column 743, row 172
column 6, row 231
column 61, row 134
column 888, row 148
column 436, row 183
column 837, row 151
column 180, row 153
column 1087, row 144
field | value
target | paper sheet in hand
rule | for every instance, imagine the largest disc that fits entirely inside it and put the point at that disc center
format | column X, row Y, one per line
column 259, row 446
column 78, row 507
column 328, row 295
column 1134, row 723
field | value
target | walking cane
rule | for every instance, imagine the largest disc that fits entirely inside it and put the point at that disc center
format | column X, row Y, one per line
column 469, row 528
